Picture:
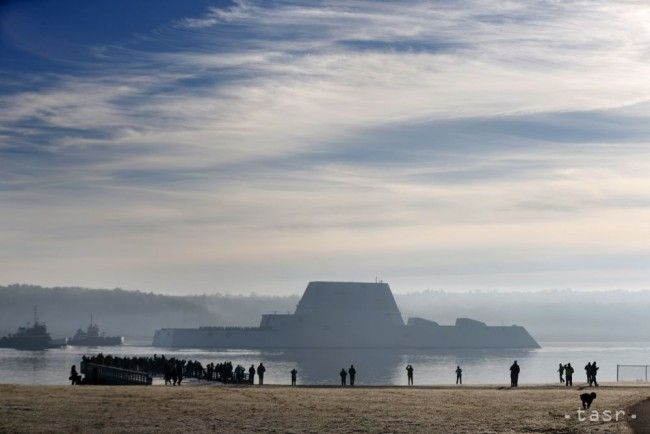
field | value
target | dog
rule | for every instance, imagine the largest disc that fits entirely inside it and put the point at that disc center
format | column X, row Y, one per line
column 587, row 399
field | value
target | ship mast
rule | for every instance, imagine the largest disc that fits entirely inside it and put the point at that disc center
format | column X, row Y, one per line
column 35, row 315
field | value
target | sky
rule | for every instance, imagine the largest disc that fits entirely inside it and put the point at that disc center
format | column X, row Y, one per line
column 190, row 147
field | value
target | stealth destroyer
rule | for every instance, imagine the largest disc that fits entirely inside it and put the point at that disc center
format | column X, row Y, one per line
column 348, row 315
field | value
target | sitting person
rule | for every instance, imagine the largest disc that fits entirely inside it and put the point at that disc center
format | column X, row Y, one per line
column 75, row 378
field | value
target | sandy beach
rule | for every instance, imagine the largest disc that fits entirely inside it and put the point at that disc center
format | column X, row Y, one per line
column 312, row 409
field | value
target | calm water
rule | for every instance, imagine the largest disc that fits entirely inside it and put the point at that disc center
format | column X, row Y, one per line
column 373, row 366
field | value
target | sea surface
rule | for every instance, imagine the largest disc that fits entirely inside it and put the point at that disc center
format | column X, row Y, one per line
column 374, row 367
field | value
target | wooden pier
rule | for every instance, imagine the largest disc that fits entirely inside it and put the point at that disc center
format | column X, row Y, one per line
column 100, row 374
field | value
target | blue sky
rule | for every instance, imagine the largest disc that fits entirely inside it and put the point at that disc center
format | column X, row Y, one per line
column 253, row 146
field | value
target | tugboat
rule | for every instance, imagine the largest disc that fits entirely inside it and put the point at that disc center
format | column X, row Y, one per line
column 93, row 338
column 35, row 337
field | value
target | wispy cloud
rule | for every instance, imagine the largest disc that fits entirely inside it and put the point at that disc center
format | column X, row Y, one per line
column 361, row 136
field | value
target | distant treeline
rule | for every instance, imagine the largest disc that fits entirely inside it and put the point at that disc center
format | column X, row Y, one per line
column 548, row 315
column 127, row 313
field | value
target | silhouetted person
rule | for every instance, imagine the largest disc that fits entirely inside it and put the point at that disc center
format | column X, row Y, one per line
column 594, row 372
column 568, row 372
column 174, row 376
column 75, row 378
column 167, row 374
column 459, row 375
column 294, row 374
column 561, row 371
column 209, row 370
column 353, row 373
column 251, row 374
column 240, row 373
column 589, row 371
column 409, row 375
column 514, row 374
column 344, row 376
column 260, row 373
column 180, row 374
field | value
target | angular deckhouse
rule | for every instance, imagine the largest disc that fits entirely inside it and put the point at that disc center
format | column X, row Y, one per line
column 348, row 315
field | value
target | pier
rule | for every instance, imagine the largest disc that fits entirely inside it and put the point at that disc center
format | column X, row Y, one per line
column 109, row 375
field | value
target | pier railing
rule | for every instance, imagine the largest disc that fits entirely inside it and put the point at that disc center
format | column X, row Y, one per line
column 100, row 374
column 636, row 373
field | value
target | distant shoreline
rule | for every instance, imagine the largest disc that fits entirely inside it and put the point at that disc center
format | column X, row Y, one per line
column 577, row 316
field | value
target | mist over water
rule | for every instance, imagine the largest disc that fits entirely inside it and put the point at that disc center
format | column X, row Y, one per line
column 374, row 367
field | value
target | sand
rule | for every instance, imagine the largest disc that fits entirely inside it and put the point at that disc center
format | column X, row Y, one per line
column 308, row 409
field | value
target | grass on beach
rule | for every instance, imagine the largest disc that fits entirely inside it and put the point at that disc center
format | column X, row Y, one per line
column 306, row 409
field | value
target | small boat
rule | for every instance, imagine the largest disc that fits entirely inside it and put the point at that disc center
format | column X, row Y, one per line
column 33, row 337
column 92, row 337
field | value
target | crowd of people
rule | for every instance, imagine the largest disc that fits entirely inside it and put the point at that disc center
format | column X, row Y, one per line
column 566, row 374
column 175, row 370
column 171, row 369
column 155, row 366
column 225, row 373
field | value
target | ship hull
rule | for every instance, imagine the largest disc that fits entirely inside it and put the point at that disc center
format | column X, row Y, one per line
column 30, row 344
column 97, row 341
column 449, row 337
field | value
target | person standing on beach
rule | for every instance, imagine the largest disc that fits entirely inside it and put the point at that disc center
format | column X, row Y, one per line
column 594, row 372
column 459, row 375
column 561, row 371
column 409, row 375
column 294, row 374
column 75, row 378
column 514, row 374
column 251, row 374
column 179, row 370
column 344, row 376
column 167, row 373
column 260, row 373
column 353, row 373
column 568, row 372
column 588, row 371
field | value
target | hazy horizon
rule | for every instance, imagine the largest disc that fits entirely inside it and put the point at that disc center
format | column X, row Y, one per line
column 272, row 292
column 548, row 315
column 254, row 146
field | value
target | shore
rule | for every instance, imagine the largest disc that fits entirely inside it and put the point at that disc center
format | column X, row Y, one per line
column 312, row 409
